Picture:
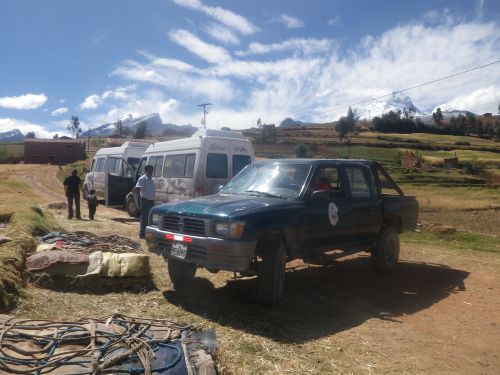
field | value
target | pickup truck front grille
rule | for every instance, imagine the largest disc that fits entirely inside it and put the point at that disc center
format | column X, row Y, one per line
column 186, row 225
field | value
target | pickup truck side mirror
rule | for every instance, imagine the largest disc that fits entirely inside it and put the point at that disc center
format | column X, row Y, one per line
column 320, row 195
column 219, row 188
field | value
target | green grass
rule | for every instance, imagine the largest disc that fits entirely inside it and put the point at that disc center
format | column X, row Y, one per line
column 484, row 158
column 11, row 149
column 458, row 240
column 434, row 138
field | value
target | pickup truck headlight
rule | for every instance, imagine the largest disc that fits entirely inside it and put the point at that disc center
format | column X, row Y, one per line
column 229, row 230
column 154, row 219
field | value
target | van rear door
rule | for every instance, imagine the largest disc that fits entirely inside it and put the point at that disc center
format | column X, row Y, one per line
column 118, row 185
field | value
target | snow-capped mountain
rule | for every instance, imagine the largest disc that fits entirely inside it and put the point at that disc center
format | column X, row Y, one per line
column 12, row 136
column 449, row 111
column 397, row 101
column 153, row 121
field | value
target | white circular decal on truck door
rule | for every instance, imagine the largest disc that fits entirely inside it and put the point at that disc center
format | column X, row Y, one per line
column 333, row 214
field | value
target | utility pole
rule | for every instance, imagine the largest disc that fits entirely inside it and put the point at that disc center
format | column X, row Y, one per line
column 88, row 140
column 204, row 105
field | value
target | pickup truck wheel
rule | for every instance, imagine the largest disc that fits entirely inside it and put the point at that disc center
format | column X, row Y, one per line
column 132, row 209
column 181, row 273
column 272, row 275
column 385, row 255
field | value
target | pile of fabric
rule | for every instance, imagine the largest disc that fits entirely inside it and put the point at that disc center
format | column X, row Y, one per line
column 84, row 253
column 117, row 344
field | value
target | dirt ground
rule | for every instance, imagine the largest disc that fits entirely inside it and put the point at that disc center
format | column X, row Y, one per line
column 439, row 312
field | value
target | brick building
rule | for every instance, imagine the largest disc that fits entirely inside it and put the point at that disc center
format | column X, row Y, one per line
column 53, row 151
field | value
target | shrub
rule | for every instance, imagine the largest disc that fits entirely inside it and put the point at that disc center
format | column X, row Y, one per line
column 472, row 167
column 302, row 150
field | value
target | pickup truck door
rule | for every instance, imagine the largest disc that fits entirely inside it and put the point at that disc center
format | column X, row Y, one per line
column 364, row 203
column 327, row 216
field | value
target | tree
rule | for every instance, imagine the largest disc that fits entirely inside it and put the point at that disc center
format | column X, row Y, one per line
column 259, row 121
column 56, row 136
column 74, row 127
column 30, row 135
column 303, row 150
column 499, row 108
column 346, row 126
column 438, row 117
column 141, row 130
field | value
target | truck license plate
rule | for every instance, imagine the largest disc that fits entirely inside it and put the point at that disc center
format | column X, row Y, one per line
column 179, row 250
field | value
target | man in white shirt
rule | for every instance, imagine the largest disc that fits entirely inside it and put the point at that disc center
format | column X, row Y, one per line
column 146, row 189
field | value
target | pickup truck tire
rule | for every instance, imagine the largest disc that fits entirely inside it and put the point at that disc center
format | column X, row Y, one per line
column 272, row 275
column 385, row 255
column 131, row 207
column 181, row 273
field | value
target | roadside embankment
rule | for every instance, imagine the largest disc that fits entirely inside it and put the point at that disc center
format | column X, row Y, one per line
column 21, row 228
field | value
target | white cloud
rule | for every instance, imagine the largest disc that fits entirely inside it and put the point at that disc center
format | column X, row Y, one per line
column 140, row 104
column 289, row 21
column 7, row 124
column 206, row 51
column 484, row 99
column 59, row 111
column 306, row 46
column 94, row 101
column 190, row 83
column 221, row 33
column 224, row 16
column 316, row 80
column 28, row 101
column 90, row 102
column 334, row 21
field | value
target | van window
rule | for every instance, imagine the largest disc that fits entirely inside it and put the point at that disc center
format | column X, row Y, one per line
column 99, row 165
column 113, row 165
column 133, row 162
column 157, row 163
column 141, row 167
column 240, row 162
column 179, row 165
column 216, row 165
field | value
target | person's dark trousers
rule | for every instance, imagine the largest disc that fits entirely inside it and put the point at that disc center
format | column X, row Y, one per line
column 146, row 206
column 71, row 198
column 92, row 210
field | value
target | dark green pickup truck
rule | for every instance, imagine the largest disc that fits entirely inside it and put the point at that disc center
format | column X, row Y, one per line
column 274, row 211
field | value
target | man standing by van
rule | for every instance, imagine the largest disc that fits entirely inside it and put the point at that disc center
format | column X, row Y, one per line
column 146, row 189
column 72, row 186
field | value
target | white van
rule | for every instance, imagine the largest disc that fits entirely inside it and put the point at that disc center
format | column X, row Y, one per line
column 113, row 161
column 195, row 166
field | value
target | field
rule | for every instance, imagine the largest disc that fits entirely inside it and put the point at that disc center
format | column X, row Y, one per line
column 437, row 313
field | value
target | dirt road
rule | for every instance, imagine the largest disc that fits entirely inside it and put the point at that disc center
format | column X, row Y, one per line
column 439, row 312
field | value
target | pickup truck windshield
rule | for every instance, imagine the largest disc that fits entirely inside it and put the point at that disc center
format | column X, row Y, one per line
column 281, row 180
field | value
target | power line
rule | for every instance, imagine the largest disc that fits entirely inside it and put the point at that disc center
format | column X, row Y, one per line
column 408, row 88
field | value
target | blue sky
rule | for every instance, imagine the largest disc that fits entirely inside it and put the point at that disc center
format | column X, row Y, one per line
column 104, row 60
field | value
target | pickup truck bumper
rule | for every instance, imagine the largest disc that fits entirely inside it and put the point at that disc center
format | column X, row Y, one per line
column 210, row 252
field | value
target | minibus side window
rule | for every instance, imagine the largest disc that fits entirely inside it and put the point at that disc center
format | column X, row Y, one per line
column 157, row 163
column 216, row 165
column 240, row 162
